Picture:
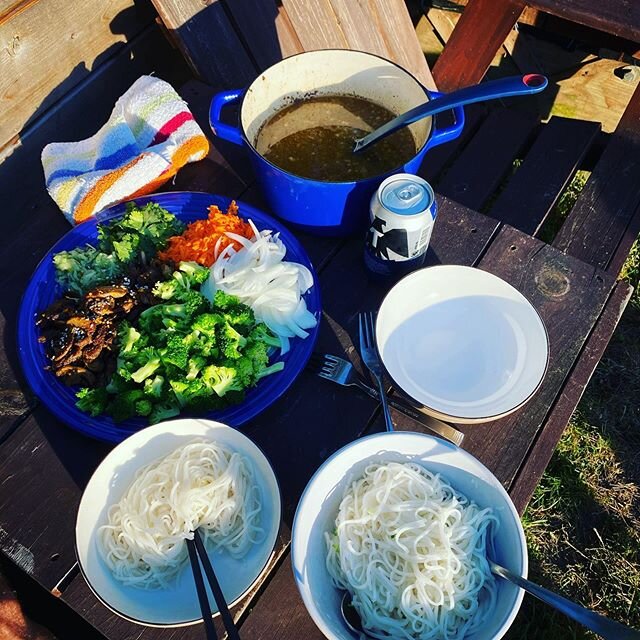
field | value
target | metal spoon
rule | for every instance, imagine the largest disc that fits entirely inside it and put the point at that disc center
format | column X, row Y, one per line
column 608, row 629
column 512, row 86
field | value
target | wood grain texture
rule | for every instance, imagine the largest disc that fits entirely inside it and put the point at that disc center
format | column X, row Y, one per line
column 40, row 492
column 266, row 30
column 280, row 612
column 479, row 169
column 77, row 116
column 569, row 295
column 208, row 41
column 537, row 184
column 394, row 23
column 542, row 449
column 359, row 24
column 593, row 93
column 480, row 32
column 604, row 219
column 619, row 17
column 50, row 46
column 315, row 24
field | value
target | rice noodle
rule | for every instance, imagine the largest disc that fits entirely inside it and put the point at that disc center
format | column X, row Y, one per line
column 411, row 551
column 200, row 485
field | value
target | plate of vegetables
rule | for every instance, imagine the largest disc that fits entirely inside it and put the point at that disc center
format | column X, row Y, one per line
column 172, row 304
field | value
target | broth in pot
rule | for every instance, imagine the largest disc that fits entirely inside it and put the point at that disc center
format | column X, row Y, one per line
column 313, row 138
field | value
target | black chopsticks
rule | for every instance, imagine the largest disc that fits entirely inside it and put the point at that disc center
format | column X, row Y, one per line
column 196, row 548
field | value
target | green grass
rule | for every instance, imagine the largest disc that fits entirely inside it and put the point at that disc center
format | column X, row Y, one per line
column 583, row 522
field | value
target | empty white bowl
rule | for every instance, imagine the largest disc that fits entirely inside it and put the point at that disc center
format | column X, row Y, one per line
column 463, row 342
column 319, row 504
column 175, row 606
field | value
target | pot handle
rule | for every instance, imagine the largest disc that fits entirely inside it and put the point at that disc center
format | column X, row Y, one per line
column 440, row 136
column 219, row 128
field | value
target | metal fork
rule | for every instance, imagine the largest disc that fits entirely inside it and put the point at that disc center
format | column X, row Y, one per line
column 342, row 372
column 370, row 358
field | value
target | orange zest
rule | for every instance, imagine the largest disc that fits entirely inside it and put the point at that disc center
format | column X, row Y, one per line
column 201, row 238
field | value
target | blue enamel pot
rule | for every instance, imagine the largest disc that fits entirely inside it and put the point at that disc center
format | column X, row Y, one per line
column 326, row 208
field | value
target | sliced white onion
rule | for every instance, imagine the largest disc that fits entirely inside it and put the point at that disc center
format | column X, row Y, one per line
column 261, row 278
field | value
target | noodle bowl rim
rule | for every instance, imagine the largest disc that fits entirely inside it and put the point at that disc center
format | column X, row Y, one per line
column 178, row 429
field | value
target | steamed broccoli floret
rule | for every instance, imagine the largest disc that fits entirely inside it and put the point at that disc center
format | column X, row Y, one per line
column 189, row 392
column 221, row 379
column 224, row 301
column 267, row 371
column 148, row 368
column 196, row 273
column 128, row 338
column 244, row 369
column 207, row 322
column 194, row 302
column 154, row 387
column 92, row 401
column 195, row 365
column 165, row 290
column 123, row 405
column 144, row 407
column 258, row 353
column 164, row 411
column 152, row 319
column 175, row 352
column 261, row 333
column 230, row 341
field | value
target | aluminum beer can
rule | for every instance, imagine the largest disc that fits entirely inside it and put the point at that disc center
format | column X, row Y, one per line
column 402, row 213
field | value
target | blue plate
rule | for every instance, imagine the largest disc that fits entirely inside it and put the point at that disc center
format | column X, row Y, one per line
column 43, row 290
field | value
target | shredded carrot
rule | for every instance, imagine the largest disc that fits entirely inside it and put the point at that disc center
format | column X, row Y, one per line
column 204, row 240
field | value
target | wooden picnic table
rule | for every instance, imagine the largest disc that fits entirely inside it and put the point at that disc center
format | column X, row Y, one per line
column 44, row 465
column 484, row 220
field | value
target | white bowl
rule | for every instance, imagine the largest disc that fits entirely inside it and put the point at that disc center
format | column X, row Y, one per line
column 319, row 504
column 176, row 606
column 463, row 342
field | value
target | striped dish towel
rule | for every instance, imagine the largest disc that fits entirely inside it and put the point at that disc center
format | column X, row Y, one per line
column 149, row 136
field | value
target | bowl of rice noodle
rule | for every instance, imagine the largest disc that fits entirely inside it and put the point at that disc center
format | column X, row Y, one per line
column 404, row 522
column 148, row 496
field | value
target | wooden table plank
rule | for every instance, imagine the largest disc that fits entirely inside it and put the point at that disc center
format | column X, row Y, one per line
column 605, row 220
column 482, row 28
column 198, row 96
column 480, row 168
column 280, row 612
column 542, row 449
column 266, row 29
column 439, row 158
column 569, row 295
column 547, row 168
column 43, row 464
column 315, row 24
column 208, row 41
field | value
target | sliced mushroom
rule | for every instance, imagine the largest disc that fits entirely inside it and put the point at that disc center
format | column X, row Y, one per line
column 72, row 375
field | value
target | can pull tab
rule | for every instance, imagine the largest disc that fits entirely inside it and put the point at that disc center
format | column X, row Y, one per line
column 405, row 196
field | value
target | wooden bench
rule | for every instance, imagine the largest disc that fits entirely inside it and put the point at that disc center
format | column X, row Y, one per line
column 484, row 219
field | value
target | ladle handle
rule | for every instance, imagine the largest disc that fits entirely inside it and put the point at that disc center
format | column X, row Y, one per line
column 503, row 88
